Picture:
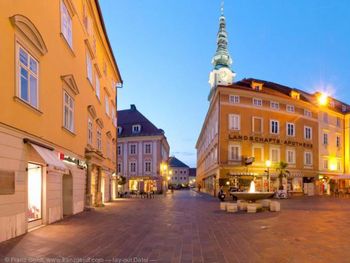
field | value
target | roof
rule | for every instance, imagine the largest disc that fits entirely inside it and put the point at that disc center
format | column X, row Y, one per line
column 174, row 162
column 128, row 118
column 193, row 172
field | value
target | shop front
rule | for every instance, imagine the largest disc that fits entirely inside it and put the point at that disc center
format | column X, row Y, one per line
column 145, row 184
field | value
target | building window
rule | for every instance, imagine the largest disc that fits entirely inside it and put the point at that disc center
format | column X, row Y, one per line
column 338, row 122
column 338, row 141
column 275, row 155
column 89, row 67
column 325, row 117
column 147, row 167
column 28, row 70
column 132, row 167
column 235, row 153
column 68, row 114
column 136, row 128
column 332, row 104
column 343, row 108
column 325, row 139
column 107, row 104
column 257, row 124
column 119, row 168
column 308, row 158
column 258, row 153
column 290, row 129
column 98, row 87
column 325, row 164
column 119, row 150
column 291, row 156
column 108, row 150
column 307, row 113
column 307, row 133
column 120, row 129
column 290, row 108
column 132, row 149
column 99, row 139
column 66, row 24
column 274, row 127
column 234, row 99
column 257, row 102
column 234, row 122
column 148, row 148
column 90, row 130
column 274, row 105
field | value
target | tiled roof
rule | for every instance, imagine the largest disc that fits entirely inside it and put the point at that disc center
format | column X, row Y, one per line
column 193, row 172
column 174, row 162
column 130, row 117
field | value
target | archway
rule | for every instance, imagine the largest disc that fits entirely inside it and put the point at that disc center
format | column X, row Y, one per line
column 67, row 194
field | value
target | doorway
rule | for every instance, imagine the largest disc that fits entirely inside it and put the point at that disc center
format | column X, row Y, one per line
column 103, row 189
column 35, row 195
column 67, row 194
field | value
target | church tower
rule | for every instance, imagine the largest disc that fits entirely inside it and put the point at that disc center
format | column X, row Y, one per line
column 222, row 74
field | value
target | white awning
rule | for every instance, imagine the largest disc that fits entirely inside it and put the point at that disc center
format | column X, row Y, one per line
column 50, row 157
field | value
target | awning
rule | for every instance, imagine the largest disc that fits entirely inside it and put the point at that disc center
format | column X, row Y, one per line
column 50, row 157
column 343, row 176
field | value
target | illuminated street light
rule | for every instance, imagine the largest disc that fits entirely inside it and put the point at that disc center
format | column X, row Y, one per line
column 268, row 165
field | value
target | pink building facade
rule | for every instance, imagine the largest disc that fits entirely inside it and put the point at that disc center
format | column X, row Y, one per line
column 142, row 148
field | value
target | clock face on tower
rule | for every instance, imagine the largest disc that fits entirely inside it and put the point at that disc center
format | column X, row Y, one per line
column 223, row 75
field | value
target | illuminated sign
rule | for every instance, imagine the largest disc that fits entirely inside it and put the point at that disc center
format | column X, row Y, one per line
column 269, row 140
column 72, row 160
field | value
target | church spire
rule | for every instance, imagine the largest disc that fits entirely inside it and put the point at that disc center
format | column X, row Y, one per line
column 222, row 57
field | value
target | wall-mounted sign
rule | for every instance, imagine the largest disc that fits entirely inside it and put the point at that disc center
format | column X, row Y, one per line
column 7, row 182
column 257, row 139
column 72, row 160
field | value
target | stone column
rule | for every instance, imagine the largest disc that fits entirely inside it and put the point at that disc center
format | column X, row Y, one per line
column 88, row 195
column 98, row 187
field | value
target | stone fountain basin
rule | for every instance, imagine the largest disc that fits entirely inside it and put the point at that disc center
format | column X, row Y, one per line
column 252, row 196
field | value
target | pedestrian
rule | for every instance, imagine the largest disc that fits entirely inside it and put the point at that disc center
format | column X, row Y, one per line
column 199, row 187
column 221, row 194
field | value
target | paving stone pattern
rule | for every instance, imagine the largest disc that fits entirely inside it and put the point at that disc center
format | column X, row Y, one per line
column 189, row 227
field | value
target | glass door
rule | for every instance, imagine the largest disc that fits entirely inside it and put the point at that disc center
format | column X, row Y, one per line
column 34, row 211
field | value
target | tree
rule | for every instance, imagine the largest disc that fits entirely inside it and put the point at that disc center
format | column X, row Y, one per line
column 282, row 172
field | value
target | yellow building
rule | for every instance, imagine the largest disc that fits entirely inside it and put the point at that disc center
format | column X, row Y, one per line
column 58, row 117
column 252, row 125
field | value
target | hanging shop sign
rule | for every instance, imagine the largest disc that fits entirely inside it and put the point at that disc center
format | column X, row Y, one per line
column 269, row 140
column 80, row 163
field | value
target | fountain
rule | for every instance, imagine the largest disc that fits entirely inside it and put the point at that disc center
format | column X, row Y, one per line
column 252, row 195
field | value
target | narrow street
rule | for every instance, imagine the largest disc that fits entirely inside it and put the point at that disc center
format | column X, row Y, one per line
column 189, row 227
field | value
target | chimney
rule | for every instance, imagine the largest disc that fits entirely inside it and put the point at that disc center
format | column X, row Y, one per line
column 132, row 107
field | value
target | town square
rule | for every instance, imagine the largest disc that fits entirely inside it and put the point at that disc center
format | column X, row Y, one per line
column 174, row 131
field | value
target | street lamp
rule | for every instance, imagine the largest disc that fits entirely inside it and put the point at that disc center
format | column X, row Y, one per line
column 268, row 165
column 164, row 170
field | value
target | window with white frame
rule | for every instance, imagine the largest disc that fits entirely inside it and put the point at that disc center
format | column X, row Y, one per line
column 90, row 131
column 136, row 128
column 66, row 24
column 132, row 167
column 274, row 127
column 132, row 150
column 112, row 114
column 98, row 87
column 290, row 129
column 99, row 139
column 28, row 76
column 325, row 117
column 307, row 133
column 290, row 156
column 89, row 67
column 274, row 105
column 325, row 163
column 257, row 102
column 120, row 129
column 290, row 108
column 308, row 158
column 107, row 104
column 338, row 141
column 325, row 138
column 68, row 112
column 148, row 148
column 119, row 150
column 338, row 122
column 234, row 152
column 275, row 155
column 234, row 99
column 307, row 113
column 234, row 122
column 343, row 108
column 148, row 166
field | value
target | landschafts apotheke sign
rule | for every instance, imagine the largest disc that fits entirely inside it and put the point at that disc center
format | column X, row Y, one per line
column 268, row 140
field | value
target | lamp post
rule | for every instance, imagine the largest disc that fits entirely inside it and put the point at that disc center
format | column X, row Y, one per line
column 268, row 165
column 164, row 170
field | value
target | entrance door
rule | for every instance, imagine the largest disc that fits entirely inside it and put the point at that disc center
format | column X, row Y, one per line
column 103, row 189
column 67, row 194
column 35, row 182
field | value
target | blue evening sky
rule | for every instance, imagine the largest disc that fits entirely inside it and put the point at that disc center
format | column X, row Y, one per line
column 164, row 49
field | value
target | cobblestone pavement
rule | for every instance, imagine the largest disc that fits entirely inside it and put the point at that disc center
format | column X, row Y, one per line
column 189, row 227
